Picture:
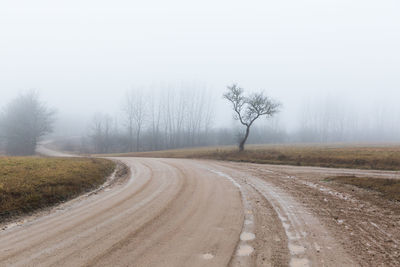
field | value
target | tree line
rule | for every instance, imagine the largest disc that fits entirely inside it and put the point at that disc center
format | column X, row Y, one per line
column 149, row 121
column 177, row 118
column 174, row 118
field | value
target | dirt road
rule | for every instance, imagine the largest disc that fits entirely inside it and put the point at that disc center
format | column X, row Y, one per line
column 174, row 212
column 43, row 149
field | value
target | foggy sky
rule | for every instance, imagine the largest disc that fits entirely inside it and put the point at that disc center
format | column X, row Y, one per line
column 83, row 55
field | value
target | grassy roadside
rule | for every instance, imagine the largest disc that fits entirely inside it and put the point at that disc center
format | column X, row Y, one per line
column 389, row 188
column 362, row 157
column 30, row 183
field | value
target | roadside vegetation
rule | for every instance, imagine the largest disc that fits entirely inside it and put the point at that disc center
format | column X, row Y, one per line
column 23, row 122
column 30, row 183
column 389, row 188
column 361, row 157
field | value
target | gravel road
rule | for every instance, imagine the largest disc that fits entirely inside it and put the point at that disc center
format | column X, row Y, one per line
column 177, row 212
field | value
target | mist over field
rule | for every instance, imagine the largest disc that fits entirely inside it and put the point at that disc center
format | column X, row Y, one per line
column 333, row 65
column 200, row 133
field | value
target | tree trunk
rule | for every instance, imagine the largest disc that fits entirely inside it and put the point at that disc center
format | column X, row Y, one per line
column 138, row 139
column 241, row 145
column 130, row 133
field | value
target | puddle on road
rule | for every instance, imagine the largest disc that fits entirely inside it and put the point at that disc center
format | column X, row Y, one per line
column 317, row 247
column 295, row 262
column 246, row 236
column 295, row 249
column 208, row 256
column 248, row 222
column 245, row 250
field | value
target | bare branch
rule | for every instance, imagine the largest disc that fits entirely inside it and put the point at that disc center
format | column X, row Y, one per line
column 235, row 96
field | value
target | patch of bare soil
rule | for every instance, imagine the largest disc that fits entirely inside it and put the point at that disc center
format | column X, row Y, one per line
column 287, row 233
column 366, row 224
column 388, row 188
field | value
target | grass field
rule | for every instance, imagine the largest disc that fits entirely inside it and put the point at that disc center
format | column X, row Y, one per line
column 337, row 156
column 30, row 183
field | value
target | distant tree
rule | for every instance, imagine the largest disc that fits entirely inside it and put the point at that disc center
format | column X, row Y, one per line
column 24, row 120
column 128, row 109
column 101, row 132
column 134, row 108
column 154, row 122
column 249, row 108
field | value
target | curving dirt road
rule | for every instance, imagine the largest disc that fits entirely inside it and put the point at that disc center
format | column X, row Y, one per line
column 175, row 212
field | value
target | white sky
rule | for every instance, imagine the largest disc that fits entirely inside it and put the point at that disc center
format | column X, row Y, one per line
column 82, row 55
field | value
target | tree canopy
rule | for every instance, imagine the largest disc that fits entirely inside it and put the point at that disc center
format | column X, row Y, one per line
column 24, row 120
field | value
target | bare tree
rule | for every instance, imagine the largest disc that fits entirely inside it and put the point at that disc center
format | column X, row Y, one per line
column 129, row 112
column 249, row 108
column 135, row 111
column 101, row 132
column 24, row 121
column 155, row 118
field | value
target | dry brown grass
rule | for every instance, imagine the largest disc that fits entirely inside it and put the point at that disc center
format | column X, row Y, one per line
column 337, row 156
column 30, row 183
column 389, row 188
